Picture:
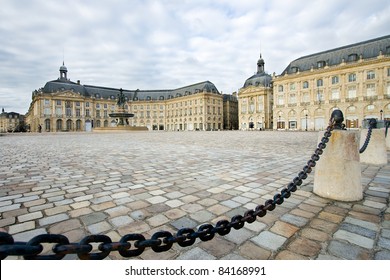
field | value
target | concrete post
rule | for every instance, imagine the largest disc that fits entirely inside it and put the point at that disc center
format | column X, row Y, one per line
column 337, row 174
column 376, row 150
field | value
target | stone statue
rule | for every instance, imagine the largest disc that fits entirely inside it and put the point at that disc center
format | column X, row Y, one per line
column 121, row 99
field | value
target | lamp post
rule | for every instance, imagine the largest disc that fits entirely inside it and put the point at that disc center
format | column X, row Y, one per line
column 306, row 122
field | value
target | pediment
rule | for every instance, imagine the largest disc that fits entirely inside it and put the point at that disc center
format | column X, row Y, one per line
column 67, row 94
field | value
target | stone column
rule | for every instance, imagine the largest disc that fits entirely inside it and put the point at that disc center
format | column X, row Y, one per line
column 337, row 173
column 376, row 150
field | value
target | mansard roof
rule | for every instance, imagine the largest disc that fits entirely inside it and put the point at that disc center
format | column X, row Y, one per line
column 350, row 53
column 60, row 85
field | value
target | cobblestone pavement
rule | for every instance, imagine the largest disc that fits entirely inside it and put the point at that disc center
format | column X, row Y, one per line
column 142, row 182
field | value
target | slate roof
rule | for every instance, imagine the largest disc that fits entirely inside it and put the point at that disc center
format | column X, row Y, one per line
column 62, row 84
column 350, row 53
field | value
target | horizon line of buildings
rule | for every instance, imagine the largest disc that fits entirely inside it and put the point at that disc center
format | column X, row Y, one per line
column 353, row 78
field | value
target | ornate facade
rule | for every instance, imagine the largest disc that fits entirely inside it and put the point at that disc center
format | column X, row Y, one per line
column 11, row 122
column 63, row 105
column 353, row 78
column 255, row 101
column 230, row 111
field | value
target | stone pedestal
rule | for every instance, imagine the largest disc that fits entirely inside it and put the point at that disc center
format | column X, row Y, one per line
column 376, row 150
column 337, row 173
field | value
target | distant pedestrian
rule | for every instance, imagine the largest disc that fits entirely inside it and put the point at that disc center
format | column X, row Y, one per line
column 39, row 128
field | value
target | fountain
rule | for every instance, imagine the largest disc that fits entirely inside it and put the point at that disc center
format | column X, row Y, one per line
column 121, row 116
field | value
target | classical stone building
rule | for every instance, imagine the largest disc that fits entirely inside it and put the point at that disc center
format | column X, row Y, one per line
column 11, row 121
column 255, row 100
column 230, row 111
column 353, row 78
column 63, row 105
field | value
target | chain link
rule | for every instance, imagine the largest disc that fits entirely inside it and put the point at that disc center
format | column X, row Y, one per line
column 372, row 124
column 132, row 245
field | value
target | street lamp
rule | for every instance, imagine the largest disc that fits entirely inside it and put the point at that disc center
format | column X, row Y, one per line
column 306, row 122
column 381, row 111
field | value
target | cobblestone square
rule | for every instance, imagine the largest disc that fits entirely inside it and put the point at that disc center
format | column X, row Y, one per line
column 78, row 184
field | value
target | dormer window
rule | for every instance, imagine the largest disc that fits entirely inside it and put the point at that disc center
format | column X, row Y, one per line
column 294, row 69
column 321, row 64
column 353, row 57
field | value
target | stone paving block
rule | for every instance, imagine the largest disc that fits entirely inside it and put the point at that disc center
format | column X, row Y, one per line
column 121, row 221
column 30, row 216
column 305, row 247
column 93, row 218
column 330, row 217
column 358, row 230
column 134, row 227
column 382, row 255
column 28, row 235
column 354, row 238
column 174, row 203
column 57, row 210
column 239, row 236
column 175, row 214
column 9, row 207
column 347, row 251
column 21, row 227
column 295, row 220
column 99, row 228
column 361, row 223
column 65, row 226
column 184, row 223
column 384, row 243
column 202, row 216
column 284, row 229
column 53, row 219
column 217, row 247
column 196, row 254
column 289, row 255
column 269, row 240
column 157, row 220
column 251, row 251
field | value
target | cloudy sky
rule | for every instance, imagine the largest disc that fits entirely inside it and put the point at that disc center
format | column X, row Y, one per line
column 150, row 44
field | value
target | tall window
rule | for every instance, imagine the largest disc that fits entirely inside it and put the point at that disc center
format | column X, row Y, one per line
column 335, row 80
column 292, row 99
column 320, row 83
column 371, row 90
column 352, row 77
column 370, row 75
column 280, row 88
column 305, row 97
column 352, row 92
column 260, row 102
column 280, row 99
column 335, row 94
column 305, row 84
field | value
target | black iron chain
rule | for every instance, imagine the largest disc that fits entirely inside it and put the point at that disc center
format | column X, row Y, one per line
column 372, row 124
column 132, row 245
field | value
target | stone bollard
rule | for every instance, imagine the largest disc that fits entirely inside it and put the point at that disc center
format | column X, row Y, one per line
column 387, row 138
column 375, row 152
column 337, row 174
